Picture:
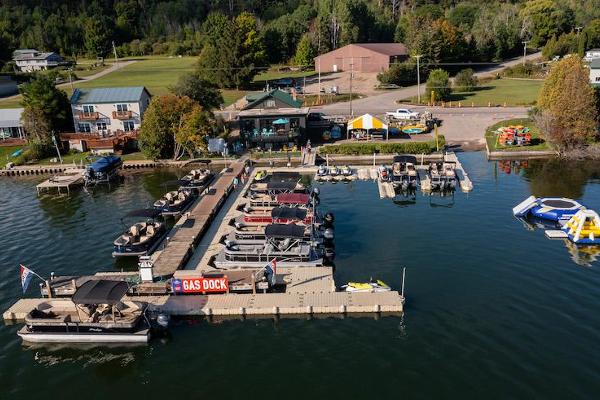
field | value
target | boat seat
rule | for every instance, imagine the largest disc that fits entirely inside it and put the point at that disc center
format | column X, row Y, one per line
column 134, row 230
column 150, row 230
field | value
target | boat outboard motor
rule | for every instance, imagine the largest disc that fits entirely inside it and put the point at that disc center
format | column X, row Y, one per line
column 315, row 195
column 247, row 208
column 405, row 186
column 239, row 225
column 329, row 254
column 328, row 236
column 162, row 320
column 328, row 219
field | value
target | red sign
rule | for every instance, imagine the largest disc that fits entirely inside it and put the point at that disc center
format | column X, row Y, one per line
column 204, row 285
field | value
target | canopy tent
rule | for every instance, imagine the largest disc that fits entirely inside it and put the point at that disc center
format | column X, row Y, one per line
column 367, row 122
column 281, row 121
column 100, row 292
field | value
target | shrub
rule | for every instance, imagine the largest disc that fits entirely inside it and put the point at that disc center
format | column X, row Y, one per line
column 465, row 81
column 427, row 147
column 527, row 70
column 439, row 83
column 402, row 74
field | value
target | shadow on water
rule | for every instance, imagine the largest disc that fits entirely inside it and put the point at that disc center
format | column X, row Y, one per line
column 61, row 208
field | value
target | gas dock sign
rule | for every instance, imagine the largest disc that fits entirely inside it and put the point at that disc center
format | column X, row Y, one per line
column 200, row 285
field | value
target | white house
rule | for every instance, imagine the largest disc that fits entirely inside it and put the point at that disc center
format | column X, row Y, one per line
column 11, row 126
column 595, row 72
column 29, row 60
column 109, row 111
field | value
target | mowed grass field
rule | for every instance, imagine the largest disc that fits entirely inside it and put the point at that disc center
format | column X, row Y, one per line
column 497, row 92
column 155, row 73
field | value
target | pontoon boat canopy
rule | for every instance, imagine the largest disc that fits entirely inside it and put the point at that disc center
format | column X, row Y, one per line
column 288, row 213
column 281, row 185
column 284, row 231
column 293, row 198
column 405, row 159
column 100, row 292
column 105, row 164
column 144, row 212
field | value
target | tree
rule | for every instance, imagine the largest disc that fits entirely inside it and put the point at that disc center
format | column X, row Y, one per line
column 592, row 33
column 465, row 81
column 567, row 104
column 402, row 74
column 548, row 19
column 193, row 133
column 45, row 100
column 97, row 35
column 439, row 83
column 305, row 52
column 199, row 90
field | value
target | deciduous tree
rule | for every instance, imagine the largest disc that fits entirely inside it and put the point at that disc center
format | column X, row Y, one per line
column 201, row 91
column 439, row 83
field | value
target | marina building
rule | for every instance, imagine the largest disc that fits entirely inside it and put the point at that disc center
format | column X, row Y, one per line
column 108, row 112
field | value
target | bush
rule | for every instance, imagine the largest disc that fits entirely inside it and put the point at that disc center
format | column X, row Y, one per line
column 465, row 81
column 439, row 83
column 402, row 74
column 527, row 70
column 384, row 148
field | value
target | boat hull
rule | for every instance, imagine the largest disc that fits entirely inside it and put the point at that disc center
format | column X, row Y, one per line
column 140, row 336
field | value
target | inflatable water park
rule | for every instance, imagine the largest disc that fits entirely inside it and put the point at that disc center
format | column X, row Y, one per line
column 575, row 222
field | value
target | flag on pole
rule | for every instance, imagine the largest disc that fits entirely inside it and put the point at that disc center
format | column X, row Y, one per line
column 26, row 275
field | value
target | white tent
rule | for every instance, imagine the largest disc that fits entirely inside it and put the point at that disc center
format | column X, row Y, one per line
column 367, row 122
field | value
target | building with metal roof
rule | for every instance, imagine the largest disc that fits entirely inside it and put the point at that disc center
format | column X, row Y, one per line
column 361, row 57
column 11, row 126
column 109, row 111
column 29, row 60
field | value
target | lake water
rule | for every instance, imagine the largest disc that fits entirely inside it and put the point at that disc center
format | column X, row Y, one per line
column 493, row 310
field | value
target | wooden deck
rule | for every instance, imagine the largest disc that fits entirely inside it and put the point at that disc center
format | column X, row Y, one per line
column 65, row 181
column 193, row 224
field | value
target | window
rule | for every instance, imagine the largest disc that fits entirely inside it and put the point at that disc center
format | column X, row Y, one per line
column 270, row 103
column 128, row 126
column 121, row 107
column 88, row 109
column 84, row 128
column 598, row 79
column 101, row 126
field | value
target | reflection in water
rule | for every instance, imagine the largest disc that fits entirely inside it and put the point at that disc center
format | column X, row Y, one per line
column 86, row 354
column 441, row 199
column 553, row 177
column 581, row 254
column 405, row 199
column 153, row 183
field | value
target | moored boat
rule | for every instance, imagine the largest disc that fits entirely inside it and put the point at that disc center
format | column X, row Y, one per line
column 404, row 173
column 97, row 313
column 372, row 286
column 142, row 238
column 175, row 202
column 103, row 170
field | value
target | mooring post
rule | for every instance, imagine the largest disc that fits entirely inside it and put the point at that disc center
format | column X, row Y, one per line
column 403, row 276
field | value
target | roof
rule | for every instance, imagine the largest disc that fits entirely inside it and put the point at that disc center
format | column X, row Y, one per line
column 100, row 292
column 10, row 117
column 288, row 213
column 595, row 49
column 275, row 112
column 293, row 198
column 390, row 49
column 33, row 55
column 284, row 97
column 284, row 231
column 284, row 176
column 366, row 121
column 127, row 94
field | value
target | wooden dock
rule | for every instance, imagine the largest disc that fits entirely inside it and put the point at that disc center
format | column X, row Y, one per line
column 68, row 179
column 463, row 178
column 193, row 224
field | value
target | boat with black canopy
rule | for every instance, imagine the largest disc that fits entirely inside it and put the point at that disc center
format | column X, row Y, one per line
column 103, row 170
column 97, row 313
column 284, row 243
column 141, row 238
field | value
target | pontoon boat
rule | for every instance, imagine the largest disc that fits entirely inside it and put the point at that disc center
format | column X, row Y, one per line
column 96, row 313
column 102, row 170
column 141, row 238
column 175, row 202
column 404, row 173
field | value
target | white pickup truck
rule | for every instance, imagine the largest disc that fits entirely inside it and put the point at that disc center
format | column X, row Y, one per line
column 403, row 113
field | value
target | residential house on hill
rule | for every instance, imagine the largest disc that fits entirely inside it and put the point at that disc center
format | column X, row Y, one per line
column 11, row 126
column 109, row 111
column 29, row 60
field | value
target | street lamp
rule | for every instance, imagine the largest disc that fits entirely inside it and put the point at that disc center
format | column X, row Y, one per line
column 418, row 57
column 525, row 50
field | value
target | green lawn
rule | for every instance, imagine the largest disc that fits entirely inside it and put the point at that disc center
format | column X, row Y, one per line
column 274, row 73
column 5, row 153
column 78, row 158
column 497, row 92
column 11, row 103
column 537, row 141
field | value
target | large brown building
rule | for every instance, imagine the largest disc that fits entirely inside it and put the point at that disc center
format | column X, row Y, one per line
column 361, row 57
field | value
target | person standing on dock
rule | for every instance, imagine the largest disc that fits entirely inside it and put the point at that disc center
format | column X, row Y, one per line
column 235, row 182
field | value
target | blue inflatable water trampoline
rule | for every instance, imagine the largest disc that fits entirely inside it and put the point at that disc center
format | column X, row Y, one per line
column 550, row 208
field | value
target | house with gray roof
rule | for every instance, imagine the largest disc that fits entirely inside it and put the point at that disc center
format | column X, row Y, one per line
column 11, row 126
column 109, row 111
column 29, row 60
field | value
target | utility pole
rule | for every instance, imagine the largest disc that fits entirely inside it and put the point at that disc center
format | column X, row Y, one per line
column 115, row 51
column 525, row 50
column 351, row 75
column 418, row 57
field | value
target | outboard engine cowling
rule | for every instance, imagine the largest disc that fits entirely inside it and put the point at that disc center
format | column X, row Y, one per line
column 328, row 219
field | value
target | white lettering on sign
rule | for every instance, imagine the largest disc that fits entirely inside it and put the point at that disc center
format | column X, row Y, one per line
column 205, row 285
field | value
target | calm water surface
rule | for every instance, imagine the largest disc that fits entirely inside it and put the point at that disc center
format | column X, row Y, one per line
column 493, row 310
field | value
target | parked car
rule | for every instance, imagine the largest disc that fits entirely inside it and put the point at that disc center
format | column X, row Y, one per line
column 403, row 113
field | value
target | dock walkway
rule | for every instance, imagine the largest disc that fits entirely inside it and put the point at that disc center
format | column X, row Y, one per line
column 194, row 223
column 68, row 179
